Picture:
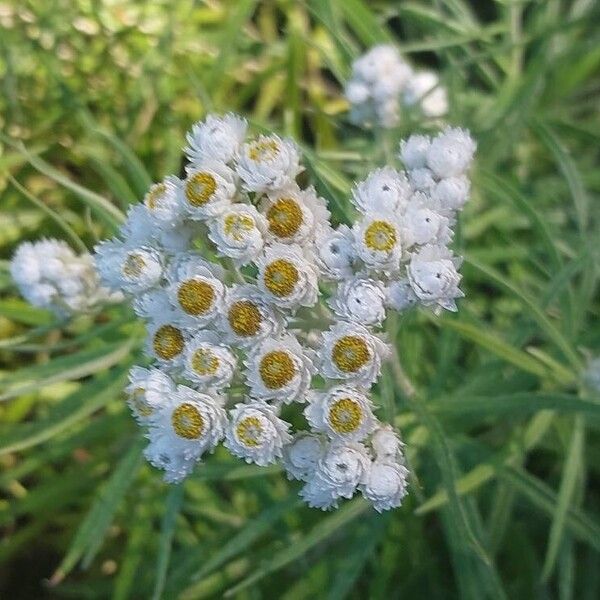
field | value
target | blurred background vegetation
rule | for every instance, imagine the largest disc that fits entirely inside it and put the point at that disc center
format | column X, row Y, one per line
column 502, row 436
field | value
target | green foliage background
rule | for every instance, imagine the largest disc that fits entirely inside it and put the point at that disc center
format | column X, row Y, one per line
column 502, row 437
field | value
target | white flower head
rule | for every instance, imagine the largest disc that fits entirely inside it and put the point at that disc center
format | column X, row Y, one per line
column 451, row 193
column 279, row 369
column 422, row 179
column 164, row 201
column 286, row 277
column 384, row 190
column 302, row 454
column 386, row 444
column 268, row 163
column 207, row 362
column 421, row 224
column 451, row 153
column 189, row 424
column 378, row 241
column 130, row 269
column 334, row 252
column 293, row 214
column 413, row 151
column 238, row 232
column 147, row 391
column 166, row 341
column 343, row 413
column 247, row 318
column 208, row 190
column 360, row 299
column 351, row 352
column 216, row 138
column 434, row 278
column 357, row 91
column 256, row 433
column 342, row 468
column 161, row 454
column 424, row 89
column 400, row 295
column 154, row 305
column 195, row 289
column 386, row 485
column 380, row 64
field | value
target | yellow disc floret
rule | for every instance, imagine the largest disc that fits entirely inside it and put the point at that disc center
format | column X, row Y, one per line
column 138, row 399
column 154, row 195
column 350, row 353
column 345, row 415
column 187, row 421
column 244, row 318
column 276, row 369
column 265, row 149
column 380, row 236
column 196, row 297
column 281, row 277
column 199, row 188
column 249, row 431
column 285, row 218
column 133, row 266
column 168, row 342
column 205, row 362
column 236, row 226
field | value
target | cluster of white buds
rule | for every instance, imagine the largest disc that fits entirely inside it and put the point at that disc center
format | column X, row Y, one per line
column 382, row 81
column 225, row 265
column 51, row 276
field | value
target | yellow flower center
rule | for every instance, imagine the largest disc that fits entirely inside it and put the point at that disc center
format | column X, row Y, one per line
column 168, row 342
column 263, row 150
column 276, row 369
column 249, row 431
column 345, row 415
column 381, row 236
column 187, row 421
column 196, row 297
column 245, row 318
column 205, row 362
column 138, row 397
column 285, row 217
column 133, row 266
column 281, row 277
column 154, row 195
column 199, row 188
column 350, row 353
column 237, row 225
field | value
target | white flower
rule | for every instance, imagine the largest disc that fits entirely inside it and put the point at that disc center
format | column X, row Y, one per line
column 247, row 318
column 452, row 192
column 293, row 214
column 434, row 278
column 424, row 88
column 268, row 163
column 384, row 190
column 382, row 64
column 278, row 369
column 351, row 352
column 338, row 473
column 188, row 425
column 164, row 201
column 378, row 241
column 147, row 391
column 215, row 138
column 386, row 444
column 334, row 252
column 50, row 275
column 301, row 455
column 208, row 190
column 286, row 277
column 256, row 433
column 166, row 341
column 386, row 485
column 451, row 153
column 130, row 269
column 359, row 299
column 195, row 289
column 207, row 361
column 413, row 151
column 423, row 225
column 238, row 233
column 153, row 305
column 400, row 295
column 343, row 413
column 422, row 179
column 356, row 91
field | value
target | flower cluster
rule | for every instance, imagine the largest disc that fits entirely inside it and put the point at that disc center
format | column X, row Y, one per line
column 50, row 275
column 234, row 266
column 382, row 81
